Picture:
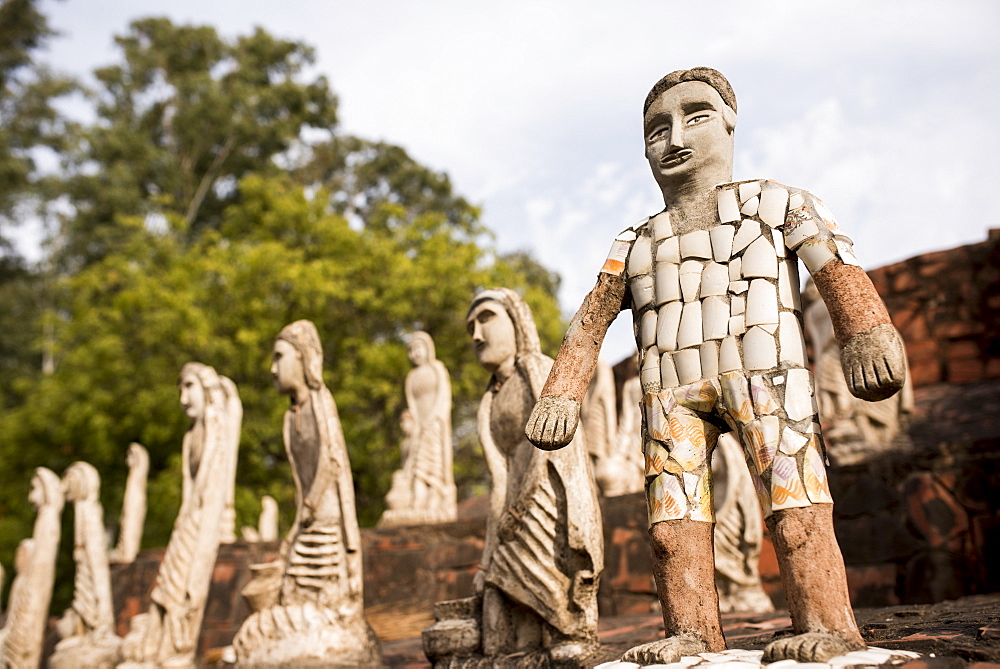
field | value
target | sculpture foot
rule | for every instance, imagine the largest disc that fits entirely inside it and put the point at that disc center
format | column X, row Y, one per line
column 808, row 647
column 665, row 651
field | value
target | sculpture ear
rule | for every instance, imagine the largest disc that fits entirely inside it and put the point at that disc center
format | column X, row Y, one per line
column 729, row 116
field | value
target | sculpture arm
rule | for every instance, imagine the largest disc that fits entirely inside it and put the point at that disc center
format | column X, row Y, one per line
column 496, row 465
column 554, row 419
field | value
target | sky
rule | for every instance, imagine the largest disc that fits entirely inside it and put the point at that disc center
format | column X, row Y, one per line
column 534, row 108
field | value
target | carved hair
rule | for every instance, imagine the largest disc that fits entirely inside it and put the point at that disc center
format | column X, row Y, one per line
column 520, row 314
column 706, row 75
column 305, row 338
column 50, row 485
column 82, row 482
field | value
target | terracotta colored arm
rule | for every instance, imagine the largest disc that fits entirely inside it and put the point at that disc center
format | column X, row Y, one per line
column 872, row 353
column 553, row 421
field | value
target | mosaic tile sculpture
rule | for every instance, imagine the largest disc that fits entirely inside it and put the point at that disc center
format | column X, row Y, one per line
column 167, row 634
column 712, row 283
column 308, row 604
column 87, row 628
column 31, row 593
column 423, row 490
column 537, row 582
column 133, row 507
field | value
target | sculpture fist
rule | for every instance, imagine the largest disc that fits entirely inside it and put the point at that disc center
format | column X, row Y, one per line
column 553, row 422
column 874, row 363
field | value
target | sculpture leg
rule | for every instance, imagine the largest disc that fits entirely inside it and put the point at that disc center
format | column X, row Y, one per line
column 815, row 583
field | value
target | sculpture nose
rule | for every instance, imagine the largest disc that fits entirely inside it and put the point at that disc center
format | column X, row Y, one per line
column 676, row 137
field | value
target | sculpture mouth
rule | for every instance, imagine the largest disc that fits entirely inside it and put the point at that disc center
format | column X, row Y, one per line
column 676, row 158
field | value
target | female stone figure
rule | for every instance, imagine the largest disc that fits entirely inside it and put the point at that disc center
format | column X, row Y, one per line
column 29, row 606
column 133, row 506
column 311, row 606
column 167, row 635
column 425, row 491
column 544, row 554
column 87, row 627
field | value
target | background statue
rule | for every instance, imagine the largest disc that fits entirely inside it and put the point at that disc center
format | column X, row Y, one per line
column 599, row 415
column 167, row 635
column 308, row 604
column 621, row 471
column 423, row 490
column 544, row 554
column 854, row 429
column 87, row 627
column 267, row 522
column 133, row 507
column 28, row 609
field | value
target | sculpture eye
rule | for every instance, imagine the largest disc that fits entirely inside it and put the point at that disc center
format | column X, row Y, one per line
column 697, row 118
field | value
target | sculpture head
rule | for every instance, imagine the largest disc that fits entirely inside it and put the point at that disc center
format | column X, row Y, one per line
column 81, row 482
column 420, row 348
column 297, row 361
column 137, row 458
column 502, row 328
column 688, row 122
column 46, row 489
column 200, row 386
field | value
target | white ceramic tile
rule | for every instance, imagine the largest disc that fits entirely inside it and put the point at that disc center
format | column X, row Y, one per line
column 668, row 320
column 759, row 351
column 729, row 355
column 791, row 441
column 649, row 375
column 846, row 252
column 668, row 373
column 749, row 207
column 778, row 380
column 722, row 242
column 791, row 346
column 709, row 358
column 815, row 254
column 668, row 251
column 660, row 225
column 690, row 277
column 762, row 303
column 688, row 364
column 642, row 291
column 640, row 258
column 714, row 317
column 747, row 232
column 773, row 202
column 737, row 305
column 735, row 267
column 738, row 287
column 689, row 332
column 788, row 284
column 696, row 244
column 796, row 234
column 714, row 279
column 778, row 237
column 795, row 200
column 749, row 190
column 737, row 324
column 647, row 329
column 798, row 394
column 667, row 286
column 759, row 260
column 729, row 208
column 769, row 327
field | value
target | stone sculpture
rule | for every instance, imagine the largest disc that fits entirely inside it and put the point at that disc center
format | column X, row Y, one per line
column 599, row 415
column 308, row 603
column 133, row 507
column 853, row 429
column 31, row 593
column 712, row 283
column 86, row 629
column 167, row 634
column 423, row 490
column 621, row 471
column 267, row 522
column 537, row 584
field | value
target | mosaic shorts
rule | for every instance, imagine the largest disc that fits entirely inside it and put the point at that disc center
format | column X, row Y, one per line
column 774, row 417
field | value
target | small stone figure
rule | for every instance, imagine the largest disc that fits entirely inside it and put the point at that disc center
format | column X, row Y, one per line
column 133, row 507
column 621, row 471
column 86, row 629
column 543, row 556
column 712, row 282
column 28, row 609
column 423, row 490
column 308, row 604
column 267, row 522
column 599, row 416
column 167, row 634
column 853, row 429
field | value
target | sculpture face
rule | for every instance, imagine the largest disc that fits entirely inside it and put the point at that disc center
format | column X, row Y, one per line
column 286, row 368
column 36, row 494
column 192, row 397
column 493, row 337
column 416, row 350
column 686, row 131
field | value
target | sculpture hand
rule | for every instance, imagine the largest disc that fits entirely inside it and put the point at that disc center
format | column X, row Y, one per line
column 874, row 363
column 553, row 422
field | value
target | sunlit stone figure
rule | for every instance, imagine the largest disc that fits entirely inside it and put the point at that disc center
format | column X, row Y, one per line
column 167, row 634
column 28, row 610
column 86, row 629
column 423, row 490
column 133, row 514
column 308, row 604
